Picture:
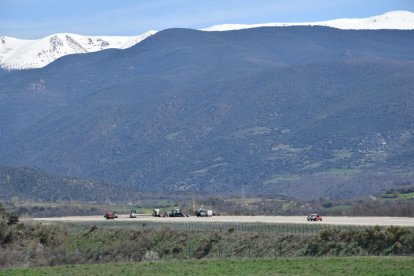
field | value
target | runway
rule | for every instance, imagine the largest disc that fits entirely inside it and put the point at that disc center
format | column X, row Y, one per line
column 382, row 221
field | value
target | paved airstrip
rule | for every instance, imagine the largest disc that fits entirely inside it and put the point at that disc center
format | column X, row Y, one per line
column 383, row 221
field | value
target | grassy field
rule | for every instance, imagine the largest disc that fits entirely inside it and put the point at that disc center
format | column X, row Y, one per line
column 398, row 196
column 283, row 266
column 67, row 208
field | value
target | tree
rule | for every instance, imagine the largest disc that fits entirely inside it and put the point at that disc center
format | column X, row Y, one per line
column 2, row 212
column 12, row 218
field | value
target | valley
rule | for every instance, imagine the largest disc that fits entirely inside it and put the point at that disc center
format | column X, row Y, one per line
column 243, row 148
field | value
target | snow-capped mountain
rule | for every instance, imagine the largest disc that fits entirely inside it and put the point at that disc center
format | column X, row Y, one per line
column 398, row 20
column 25, row 54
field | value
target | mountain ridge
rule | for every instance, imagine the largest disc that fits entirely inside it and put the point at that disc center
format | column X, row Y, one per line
column 397, row 20
column 18, row 54
column 29, row 54
column 299, row 111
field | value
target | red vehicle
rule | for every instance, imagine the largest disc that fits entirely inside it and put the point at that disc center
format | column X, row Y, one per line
column 314, row 217
column 110, row 215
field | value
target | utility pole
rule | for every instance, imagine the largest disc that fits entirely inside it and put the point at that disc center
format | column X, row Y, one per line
column 194, row 204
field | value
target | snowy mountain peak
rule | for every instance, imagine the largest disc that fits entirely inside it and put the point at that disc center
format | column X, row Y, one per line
column 24, row 54
column 399, row 20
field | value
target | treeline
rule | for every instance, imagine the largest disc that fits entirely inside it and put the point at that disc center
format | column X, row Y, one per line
column 404, row 190
column 333, row 207
column 26, row 183
column 59, row 210
column 370, row 207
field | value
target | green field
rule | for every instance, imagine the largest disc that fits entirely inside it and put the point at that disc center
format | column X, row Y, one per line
column 340, row 208
column 398, row 196
column 283, row 266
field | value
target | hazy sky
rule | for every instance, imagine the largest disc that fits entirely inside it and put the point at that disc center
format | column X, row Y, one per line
column 39, row 18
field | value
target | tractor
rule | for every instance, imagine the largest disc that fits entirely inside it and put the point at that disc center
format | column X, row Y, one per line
column 110, row 215
column 176, row 213
column 157, row 213
column 201, row 212
column 314, row 217
column 133, row 214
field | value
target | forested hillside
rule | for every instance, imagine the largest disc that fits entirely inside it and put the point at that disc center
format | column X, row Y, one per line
column 297, row 111
column 34, row 184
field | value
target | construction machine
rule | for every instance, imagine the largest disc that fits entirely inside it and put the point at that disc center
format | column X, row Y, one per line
column 157, row 213
column 133, row 214
column 314, row 217
column 110, row 215
column 201, row 212
column 176, row 213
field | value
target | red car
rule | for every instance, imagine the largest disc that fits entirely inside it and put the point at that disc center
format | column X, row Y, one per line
column 314, row 217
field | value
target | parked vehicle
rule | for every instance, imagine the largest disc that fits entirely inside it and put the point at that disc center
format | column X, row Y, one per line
column 133, row 214
column 176, row 213
column 157, row 213
column 314, row 217
column 110, row 215
column 200, row 212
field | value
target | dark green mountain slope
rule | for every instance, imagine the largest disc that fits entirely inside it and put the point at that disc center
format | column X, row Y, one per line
column 302, row 111
column 34, row 184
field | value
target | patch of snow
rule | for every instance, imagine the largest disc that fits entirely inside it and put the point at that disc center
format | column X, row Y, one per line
column 397, row 20
column 24, row 54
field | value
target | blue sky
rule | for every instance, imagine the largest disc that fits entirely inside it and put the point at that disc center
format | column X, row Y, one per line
column 38, row 18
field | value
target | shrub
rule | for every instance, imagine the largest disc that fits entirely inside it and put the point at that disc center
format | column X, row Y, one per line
column 372, row 241
column 12, row 218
